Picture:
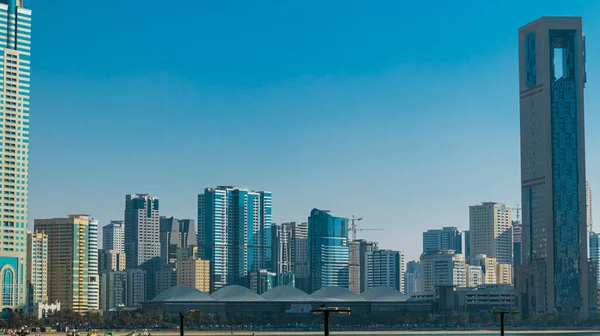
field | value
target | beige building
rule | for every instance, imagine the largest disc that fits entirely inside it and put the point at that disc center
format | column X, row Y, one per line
column 490, row 231
column 111, row 261
column 68, row 261
column 442, row 268
column 194, row 272
column 37, row 268
column 504, row 274
column 488, row 266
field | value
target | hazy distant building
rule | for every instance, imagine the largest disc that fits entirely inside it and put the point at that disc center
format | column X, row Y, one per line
column 283, row 248
column 68, row 261
column 110, row 261
column 448, row 238
column 142, row 237
column 234, row 233
column 358, row 251
column 488, row 265
column 136, row 287
column 113, row 290
column 467, row 235
column 113, row 236
column 517, row 242
column 504, row 274
column 412, row 277
column 166, row 278
column 385, row 268
column 170, row 239
column 551, row 79
column 37, row 269
column 594, row 242
column 262, row 281
column 442, row 268
column 490, row 231
column 328, row 250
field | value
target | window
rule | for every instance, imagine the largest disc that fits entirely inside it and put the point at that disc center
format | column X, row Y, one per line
column 7, row 287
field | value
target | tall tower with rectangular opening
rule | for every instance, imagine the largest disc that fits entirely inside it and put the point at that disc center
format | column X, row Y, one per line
column 552, row 78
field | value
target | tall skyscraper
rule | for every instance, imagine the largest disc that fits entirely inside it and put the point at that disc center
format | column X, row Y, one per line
column 142, row 237
column 113, row 236
column 234, row 233
column 283, row 248
column 170, row 239
column 358, row 251
column 37, row 268
column 490, row 231
column 16, row 47
column 552, row 78
column 300, row 250
column 187, row 232
column 448, row 238
column 590, row 219
column 94, row 282
column 327, row 250
column 442, row 268
column 385, row 268
column 68, row 261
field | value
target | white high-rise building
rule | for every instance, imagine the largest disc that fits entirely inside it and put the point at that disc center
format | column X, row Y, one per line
column 94, row 283
column 490, row 231
column 442, row 268
column 113, row 236
column 15, row 57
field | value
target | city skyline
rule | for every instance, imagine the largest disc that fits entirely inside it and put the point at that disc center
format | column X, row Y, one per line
column 380, row 77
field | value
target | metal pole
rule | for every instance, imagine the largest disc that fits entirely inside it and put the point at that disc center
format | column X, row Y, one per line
column 501, row 324
column 181, row 332
column 326, row 324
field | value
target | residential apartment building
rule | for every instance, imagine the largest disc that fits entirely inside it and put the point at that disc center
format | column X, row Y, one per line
column 490, row 231
column 69, row 261
column 234, row 233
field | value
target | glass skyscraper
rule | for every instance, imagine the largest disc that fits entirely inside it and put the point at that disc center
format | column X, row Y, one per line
column 234, row 233
column 552, row 79
column 328, row 250
column 448, row 238
column 15, row 45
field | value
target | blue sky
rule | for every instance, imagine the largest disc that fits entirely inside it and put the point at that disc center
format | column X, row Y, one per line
column 402, row 113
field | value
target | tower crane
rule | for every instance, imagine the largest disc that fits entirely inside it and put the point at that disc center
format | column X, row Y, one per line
column 518, row 212
column 353, row 227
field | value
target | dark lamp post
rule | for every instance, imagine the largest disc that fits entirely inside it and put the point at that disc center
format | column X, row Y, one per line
column 327, row 311
column 181, row 318
column 502, row 313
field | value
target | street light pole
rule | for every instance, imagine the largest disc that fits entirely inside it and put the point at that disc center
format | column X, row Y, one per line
column 181, row 332
column 502, row 313
column 326, row 311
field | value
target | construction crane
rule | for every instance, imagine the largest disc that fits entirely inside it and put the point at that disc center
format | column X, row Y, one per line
column 518, row 211
column 353, row 228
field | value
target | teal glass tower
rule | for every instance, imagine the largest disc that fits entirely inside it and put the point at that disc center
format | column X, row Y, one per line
column 328, row 250
column 15, row 53
column 234, row 233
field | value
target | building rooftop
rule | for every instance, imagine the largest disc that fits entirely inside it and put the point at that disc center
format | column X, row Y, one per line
column 387, row 294
column 236, row 293
column 182, row 293
column 336, row 294
column 286, row 293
